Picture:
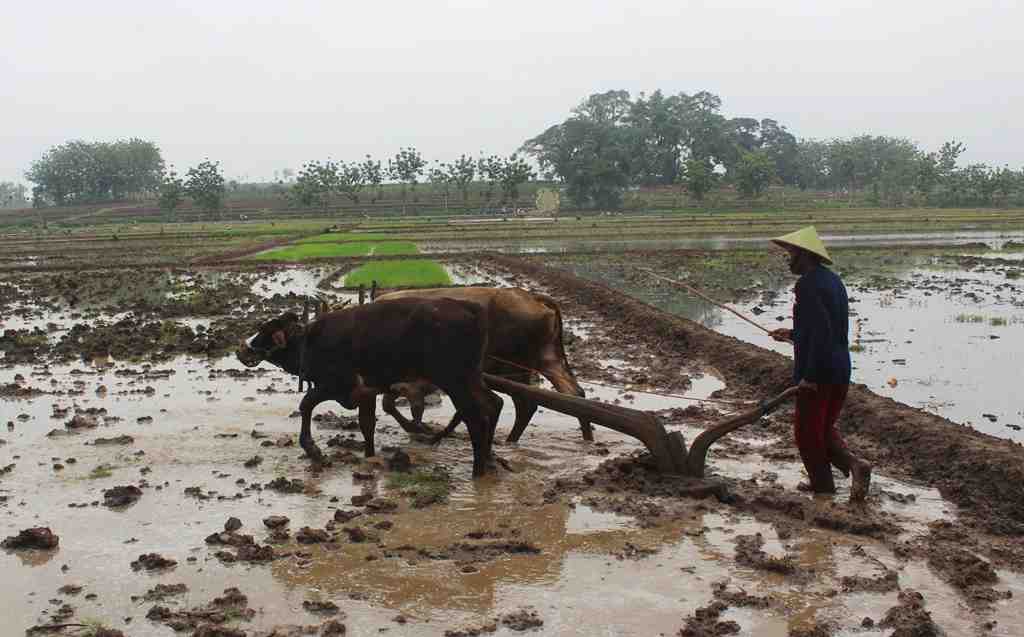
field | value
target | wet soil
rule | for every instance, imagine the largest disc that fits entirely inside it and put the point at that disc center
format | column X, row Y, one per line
column 567, row 538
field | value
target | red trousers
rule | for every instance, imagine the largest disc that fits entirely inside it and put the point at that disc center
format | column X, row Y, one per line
column 817, row 438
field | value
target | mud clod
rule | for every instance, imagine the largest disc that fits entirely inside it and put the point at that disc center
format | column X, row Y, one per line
column 152, row 562
column 161, row 592
column 284, row 485
column 39, row 537
column 307, row 535
column 324, row 607
column 400, row 461
column 909, row 618
column 522, row 619
column 705, row 622
column 750, row 553
column 232, row 524
column 275, row 521
column 121, row 496
column 117, row 440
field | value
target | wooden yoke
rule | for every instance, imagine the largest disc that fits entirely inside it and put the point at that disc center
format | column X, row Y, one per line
column 641, row 425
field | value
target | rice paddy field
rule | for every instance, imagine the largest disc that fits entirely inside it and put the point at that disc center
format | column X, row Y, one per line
column 176, row 501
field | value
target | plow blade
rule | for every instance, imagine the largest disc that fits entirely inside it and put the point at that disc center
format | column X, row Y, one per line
column 696, row 459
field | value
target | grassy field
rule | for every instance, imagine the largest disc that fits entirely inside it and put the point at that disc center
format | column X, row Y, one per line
column 409, row 273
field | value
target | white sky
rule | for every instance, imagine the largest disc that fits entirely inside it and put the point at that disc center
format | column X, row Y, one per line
column 262, row 86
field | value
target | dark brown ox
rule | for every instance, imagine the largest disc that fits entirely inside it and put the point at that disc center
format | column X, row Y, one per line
column 353, row 354
column 523, row 328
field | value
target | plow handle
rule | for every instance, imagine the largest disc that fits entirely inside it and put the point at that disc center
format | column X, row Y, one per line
column 697, row 456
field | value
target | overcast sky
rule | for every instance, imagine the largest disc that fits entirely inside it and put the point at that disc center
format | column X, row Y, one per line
column 262, row 86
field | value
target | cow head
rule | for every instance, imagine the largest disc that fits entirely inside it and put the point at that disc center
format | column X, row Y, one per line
column 271, row 341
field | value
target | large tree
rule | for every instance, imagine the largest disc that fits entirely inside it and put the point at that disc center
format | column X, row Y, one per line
column 77, row 172
column 754, row 173
column 204, row 184
column 590, row 151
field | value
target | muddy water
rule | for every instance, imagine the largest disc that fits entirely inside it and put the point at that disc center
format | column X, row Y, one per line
column 712, row 242
column 943, row 339
column 202, row 432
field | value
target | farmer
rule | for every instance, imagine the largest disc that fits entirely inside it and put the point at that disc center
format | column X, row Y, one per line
column 821, row 364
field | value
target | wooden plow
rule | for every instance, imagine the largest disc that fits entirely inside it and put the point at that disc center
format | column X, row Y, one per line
column 668, row 449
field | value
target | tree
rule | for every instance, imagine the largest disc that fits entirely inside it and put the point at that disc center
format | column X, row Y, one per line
column 77, row 172
column 699, row 177
column 349, row 180
column 489, row 167
column 513, row 172
column 812, row 167
column 781, row 147
column 372, row 175
column 314, row 184
column 753, row 173
column 460, row 174
column 405, row 168
column 438, row 176
column 591, row 151
column 13, row 195
column 172, row 191
column 204, row 184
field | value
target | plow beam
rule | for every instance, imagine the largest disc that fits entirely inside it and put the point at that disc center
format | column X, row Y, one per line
column 641, row 425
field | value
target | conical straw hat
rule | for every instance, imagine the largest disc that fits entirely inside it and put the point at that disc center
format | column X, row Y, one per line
column 805, row 239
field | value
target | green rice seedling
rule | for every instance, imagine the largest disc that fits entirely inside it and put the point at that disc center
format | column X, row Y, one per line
column 407, row 273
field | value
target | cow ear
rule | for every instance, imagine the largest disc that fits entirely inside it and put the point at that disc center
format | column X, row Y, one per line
column 279, row 337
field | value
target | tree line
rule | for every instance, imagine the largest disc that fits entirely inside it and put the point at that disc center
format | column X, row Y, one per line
column 612, row 142
column 319, row 183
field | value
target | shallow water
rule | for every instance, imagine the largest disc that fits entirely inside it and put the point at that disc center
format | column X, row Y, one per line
column 200, row 435
column 713, row 242
column 945, row 340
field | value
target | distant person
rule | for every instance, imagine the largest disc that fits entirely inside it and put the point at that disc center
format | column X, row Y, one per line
column 821, row 364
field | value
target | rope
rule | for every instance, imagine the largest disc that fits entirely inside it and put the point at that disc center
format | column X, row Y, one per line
column 707, row 298
column 653, row 393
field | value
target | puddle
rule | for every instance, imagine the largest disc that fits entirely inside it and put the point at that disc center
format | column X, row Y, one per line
column 584, row 519
column 299, row 281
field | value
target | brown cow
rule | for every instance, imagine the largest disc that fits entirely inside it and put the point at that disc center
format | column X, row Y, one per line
column 523, row 328
column 353, row 354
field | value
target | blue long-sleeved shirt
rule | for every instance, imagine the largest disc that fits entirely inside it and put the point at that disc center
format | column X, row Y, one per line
column 821, row 324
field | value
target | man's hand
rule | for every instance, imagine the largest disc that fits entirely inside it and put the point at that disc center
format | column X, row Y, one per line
column 807, row 387
column 782, row 335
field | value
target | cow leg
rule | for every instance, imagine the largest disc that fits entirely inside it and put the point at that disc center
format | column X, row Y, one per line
column 387, row 403
column 309, row 402
column 478, row 405
column 452, row 424
column 564, row 383
column 497, row 404
column 414, row 393
column 525, row 409
column 367, row 424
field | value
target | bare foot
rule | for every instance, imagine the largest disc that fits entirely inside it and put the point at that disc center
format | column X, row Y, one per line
column 861, row 481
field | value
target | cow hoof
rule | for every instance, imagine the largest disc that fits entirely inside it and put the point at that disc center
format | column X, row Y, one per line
column 313, row 453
